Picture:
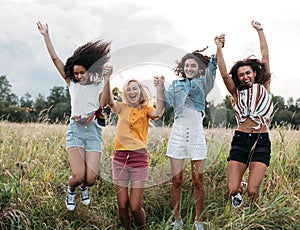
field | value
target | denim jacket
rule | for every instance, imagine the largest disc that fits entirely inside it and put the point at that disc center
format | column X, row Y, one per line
column 191, row 93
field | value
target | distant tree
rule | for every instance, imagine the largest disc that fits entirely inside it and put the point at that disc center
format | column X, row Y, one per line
column 283, row 117
column 278, row 102
column 168, row 117
column 230, row 118
column 112, row 118
column 218, row 116
column 4, row 89
column 13, row 113
column 58, row 105
column 40, row 103
column 209, row 108
column 7, row 98
column 60, row 113
column 26, row 101
column 57, row 94
column 297, row 103
column 296, row 120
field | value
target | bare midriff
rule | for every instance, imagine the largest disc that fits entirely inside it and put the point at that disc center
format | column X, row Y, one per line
column 247, row 127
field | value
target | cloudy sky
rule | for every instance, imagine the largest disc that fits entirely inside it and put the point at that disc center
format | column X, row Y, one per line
column 147, row 37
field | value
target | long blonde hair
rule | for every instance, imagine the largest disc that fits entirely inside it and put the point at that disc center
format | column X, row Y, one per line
column 145, row 93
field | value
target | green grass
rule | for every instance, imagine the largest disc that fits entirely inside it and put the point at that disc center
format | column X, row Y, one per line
column 35, row 170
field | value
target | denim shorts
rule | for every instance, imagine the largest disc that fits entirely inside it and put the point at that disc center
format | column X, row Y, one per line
column 130, row 165
column 242, row 144
column 88, row 137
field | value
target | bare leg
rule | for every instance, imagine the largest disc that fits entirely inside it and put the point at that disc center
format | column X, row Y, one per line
column 198, row 184
column 235, row 174
column 92, row 168
column 136, row 199
column 76, row 157
column 176, row 186
column 257, row 172
column 121, row 188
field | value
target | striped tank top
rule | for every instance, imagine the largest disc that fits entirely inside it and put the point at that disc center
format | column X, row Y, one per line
column 255, row 103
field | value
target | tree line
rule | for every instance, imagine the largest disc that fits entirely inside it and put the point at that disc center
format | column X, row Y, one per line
column 55, row 108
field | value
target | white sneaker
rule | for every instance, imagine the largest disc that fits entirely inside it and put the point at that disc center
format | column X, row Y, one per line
column 198, row 225
column 237, row 200
column 70, row 200
column 85, row 195
column 177, row 224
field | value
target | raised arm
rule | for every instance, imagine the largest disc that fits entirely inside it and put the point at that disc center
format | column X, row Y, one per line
column 210, row 74
column 106, row 73
column 56, row 60
column 159, row 110
column 107, row 96
column 220, row 40
column 263, row 49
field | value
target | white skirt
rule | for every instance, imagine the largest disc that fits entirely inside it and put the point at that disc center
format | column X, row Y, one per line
column 187, row 139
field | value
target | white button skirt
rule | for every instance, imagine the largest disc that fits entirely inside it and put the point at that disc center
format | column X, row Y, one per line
column 187, row 139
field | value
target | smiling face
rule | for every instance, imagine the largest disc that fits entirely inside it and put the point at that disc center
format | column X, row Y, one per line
column 191, row 68
column 81, row 74
column 133, row 93
column 246, row 76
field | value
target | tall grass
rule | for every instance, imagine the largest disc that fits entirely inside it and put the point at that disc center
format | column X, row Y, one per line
column 35, row 170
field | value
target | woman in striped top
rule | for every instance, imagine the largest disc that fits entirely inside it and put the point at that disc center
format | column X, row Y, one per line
column 248, row 82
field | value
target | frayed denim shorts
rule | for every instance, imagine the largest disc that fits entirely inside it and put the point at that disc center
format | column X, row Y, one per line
column 88, row 137
column 248, row 147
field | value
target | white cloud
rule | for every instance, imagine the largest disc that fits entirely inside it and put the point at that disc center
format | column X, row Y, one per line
column 188, row 25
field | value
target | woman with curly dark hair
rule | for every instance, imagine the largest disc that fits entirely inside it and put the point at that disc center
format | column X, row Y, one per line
column 187, row 96
column 83, row 73
column 248, row 82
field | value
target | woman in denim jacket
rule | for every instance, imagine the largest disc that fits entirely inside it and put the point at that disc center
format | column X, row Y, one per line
column 187, row 96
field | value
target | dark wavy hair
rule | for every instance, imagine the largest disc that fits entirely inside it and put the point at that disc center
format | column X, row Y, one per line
column 262, row 75
column 201, row 59
column 92, row 56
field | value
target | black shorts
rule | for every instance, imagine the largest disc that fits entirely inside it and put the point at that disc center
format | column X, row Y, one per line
column 241, row 146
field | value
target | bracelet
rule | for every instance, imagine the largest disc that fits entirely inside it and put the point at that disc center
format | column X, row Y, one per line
column 260, row 29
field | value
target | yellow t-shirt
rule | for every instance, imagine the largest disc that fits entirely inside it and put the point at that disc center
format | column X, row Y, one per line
column 132, row 127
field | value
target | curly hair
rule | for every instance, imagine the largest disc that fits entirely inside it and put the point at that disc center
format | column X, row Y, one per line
column 262, row 76
column 92, row 56
column 201, row 59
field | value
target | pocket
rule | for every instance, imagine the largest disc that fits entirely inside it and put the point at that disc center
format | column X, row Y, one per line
column 178, row 88
column 264, row 141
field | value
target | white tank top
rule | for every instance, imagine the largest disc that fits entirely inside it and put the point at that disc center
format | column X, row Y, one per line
column 84, row 98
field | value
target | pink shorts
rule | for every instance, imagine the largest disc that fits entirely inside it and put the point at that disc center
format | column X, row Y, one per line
column 130, row 165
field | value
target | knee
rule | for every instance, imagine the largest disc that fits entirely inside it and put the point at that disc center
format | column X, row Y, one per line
column 90, row 181
column 253, row 192
column 136, row 210
column 198, row 182
column 233, row 190
column 177, row 182
column 77, row 178
column 123, row 210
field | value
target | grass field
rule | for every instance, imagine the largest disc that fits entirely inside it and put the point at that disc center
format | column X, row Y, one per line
column 35, row 170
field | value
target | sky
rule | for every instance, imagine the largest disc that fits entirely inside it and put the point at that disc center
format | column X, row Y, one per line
column 148, row 37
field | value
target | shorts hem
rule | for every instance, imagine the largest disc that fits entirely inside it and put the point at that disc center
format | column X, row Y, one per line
column 86, row 150
column 240, row 161
column 71, row 146
column 187, row 157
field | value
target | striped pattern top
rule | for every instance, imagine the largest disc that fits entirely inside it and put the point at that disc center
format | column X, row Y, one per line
column 255, row 103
